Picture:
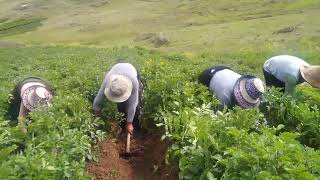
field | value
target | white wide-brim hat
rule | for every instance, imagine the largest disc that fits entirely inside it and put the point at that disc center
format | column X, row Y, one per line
column 118, row 88
column 311, row 74
column 35, row 96
column 247, row 91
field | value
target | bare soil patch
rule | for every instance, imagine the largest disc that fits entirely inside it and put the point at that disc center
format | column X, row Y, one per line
column 146, row 162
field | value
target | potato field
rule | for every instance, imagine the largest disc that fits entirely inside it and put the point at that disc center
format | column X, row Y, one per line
column 280, row 140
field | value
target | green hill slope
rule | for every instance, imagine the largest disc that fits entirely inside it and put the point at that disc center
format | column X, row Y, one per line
column 170, row 25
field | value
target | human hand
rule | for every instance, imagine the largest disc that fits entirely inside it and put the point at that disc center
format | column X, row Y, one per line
column 129, row 128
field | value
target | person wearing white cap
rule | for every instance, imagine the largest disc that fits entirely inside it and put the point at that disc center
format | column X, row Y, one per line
column 285, row 72
column 28, row 95
column 231, row 88
column 123, row 85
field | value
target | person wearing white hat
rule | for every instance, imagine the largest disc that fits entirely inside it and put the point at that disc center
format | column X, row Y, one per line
column 122, row 85
column 28, row 95
column 285, row 72
column 231, row 88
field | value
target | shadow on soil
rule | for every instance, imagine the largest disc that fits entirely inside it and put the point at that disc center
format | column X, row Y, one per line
column 146, row 160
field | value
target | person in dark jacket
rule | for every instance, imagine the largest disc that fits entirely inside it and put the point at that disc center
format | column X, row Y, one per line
column 122, row 85
column 286, row 72
column 27, row 96
column 231, row 88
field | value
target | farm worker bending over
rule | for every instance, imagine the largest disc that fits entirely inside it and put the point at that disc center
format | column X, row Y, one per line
column 29, row 94
column 123, row 85
column 286, row 72
column 231, row 88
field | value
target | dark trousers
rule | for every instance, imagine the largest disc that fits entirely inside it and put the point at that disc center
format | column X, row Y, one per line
column 206, row 76
column 271, row 80
column 122, row 107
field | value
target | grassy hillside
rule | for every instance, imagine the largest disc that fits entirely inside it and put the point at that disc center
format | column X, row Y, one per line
column 190, row 26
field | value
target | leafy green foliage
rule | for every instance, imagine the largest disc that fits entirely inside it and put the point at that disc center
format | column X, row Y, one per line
column 297, row 112
column 237, row 144
column 275, row 142
column 233, row 146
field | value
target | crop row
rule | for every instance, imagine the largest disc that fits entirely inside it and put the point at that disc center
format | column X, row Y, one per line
column 278, row 141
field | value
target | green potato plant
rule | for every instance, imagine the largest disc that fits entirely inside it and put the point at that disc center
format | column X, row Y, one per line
column 278, row 141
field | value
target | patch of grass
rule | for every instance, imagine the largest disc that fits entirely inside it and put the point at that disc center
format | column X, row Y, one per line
column 3, row 20
column 305, row 3
column 191, row 26
column 19, row 26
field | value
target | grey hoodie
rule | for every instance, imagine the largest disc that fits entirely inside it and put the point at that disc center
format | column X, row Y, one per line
column 130, row 72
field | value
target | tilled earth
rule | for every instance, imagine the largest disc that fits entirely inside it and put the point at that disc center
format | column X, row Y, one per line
column 145, row 162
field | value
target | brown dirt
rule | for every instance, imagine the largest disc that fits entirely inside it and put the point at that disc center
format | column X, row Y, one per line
column 146, row 161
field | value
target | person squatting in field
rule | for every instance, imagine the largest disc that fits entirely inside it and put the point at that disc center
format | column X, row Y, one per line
column 27, row 96
column 123, row 85
column 286, row 72
column 232, row 88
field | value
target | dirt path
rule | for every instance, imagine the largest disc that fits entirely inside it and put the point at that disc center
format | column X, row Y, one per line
column 147, row 160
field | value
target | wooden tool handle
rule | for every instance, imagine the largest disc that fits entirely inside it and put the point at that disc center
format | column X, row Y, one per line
column 128, row 143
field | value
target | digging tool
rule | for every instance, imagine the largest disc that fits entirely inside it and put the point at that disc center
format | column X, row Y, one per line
column 128, row 144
